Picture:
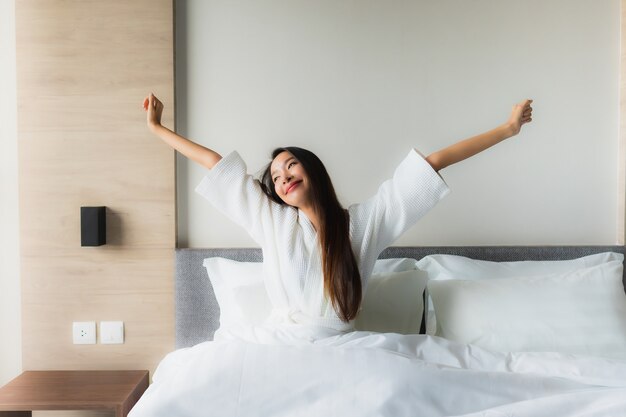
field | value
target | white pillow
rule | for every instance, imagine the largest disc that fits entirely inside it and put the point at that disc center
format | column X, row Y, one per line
column 393, row 301
column 239, row 290
column 444, row 267
column 579, row 312
column 382, row 266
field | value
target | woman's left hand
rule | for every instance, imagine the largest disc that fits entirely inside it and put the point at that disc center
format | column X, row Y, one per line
column 521, row 114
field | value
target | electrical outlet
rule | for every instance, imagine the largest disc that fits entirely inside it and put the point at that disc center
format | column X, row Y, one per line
column 84, row 332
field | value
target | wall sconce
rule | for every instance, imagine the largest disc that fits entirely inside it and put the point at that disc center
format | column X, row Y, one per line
column 93, row 226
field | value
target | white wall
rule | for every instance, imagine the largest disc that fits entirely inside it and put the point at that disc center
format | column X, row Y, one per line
column 361, row 82
column 10, row 330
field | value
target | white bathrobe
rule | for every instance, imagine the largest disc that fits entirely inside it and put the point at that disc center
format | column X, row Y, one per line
column 291, row 256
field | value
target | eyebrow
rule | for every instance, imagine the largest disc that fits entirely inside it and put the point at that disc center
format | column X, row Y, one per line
column 284, row 163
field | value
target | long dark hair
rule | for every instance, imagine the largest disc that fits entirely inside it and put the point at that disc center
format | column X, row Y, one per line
column 342, row 280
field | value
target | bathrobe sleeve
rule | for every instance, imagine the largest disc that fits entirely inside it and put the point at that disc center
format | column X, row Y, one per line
column 399, row 203
column 239, row 196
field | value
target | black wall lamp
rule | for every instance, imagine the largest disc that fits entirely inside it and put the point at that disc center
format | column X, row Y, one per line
column 93, row 226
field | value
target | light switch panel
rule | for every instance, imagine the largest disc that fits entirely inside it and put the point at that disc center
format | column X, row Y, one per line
column 111, row 332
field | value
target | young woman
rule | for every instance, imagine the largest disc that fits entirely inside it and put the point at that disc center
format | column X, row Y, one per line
column 317, row 255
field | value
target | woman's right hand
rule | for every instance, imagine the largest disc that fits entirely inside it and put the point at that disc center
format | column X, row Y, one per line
column 154, row 109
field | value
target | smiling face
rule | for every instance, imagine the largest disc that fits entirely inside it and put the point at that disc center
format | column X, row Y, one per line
column 291, row 181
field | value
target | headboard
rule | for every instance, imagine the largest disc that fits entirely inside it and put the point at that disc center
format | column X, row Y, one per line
column 197, row 312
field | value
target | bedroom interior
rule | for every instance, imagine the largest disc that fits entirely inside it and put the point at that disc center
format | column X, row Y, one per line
column 77, row 110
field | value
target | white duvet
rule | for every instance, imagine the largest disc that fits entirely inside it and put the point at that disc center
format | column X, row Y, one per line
column 302, row 372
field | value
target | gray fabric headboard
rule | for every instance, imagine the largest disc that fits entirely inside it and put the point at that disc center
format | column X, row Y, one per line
column 197, row 312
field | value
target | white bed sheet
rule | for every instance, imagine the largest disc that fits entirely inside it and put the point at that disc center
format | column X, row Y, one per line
column 298, row 371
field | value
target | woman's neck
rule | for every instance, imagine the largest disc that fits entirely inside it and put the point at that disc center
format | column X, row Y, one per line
column 312, row 216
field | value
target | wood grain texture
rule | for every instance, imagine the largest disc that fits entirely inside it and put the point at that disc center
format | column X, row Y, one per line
column 83, row 69
column 117, row 391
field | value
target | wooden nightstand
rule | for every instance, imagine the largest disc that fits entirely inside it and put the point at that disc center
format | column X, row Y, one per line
column 72, row 390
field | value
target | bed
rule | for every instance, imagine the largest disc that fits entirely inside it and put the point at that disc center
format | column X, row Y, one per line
column 445, row 366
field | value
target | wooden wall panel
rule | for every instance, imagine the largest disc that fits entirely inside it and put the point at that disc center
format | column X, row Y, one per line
column 83, row 68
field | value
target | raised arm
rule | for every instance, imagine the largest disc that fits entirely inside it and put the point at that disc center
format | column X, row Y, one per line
column 197, row 153
column 521, row 114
